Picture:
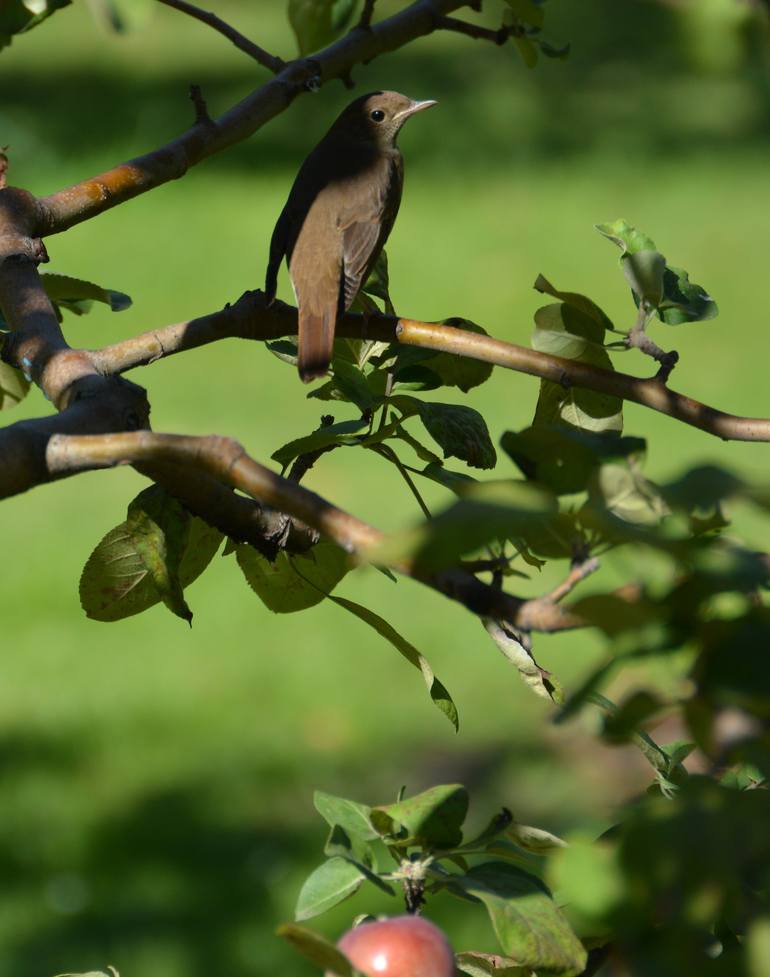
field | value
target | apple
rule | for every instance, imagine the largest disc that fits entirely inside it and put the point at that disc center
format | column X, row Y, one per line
column 404, row 946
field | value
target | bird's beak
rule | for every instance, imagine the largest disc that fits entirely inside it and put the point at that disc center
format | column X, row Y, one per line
column 415, row 107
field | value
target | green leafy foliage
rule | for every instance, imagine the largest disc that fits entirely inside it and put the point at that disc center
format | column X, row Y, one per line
column 431, row 820
column 660, row 286
column 317, row 22
column 18, row 16
column 423, row 835
column 529, row 926
column 293, row 582
column 151, row 557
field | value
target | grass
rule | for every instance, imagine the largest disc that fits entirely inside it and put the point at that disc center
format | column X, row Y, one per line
column 156, row 782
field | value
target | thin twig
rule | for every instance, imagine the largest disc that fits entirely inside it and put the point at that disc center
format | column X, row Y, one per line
column 365, row 20
column 578, row 573
column 476, row 31
column 202, row 116
column 637, row 338
column 267, row 60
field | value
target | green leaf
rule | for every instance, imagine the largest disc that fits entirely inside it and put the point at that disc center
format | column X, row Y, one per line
column 318, row 950
column 432, row 819
column 581, row 302
column 683, row 301
column 332, row 882
column 345, row 432
column 14, row 386
column 461, row 432
column 351, row 383
column 667, row 288
column 455, row 371
column 77, row 295
column 286, row 351
column 516, row 646
column 437, row 690
column 317, row 22
column 644, row 271
column 530, row 927
column 18, row 16
column 350, row 815
column 565, row 330
column 564, row 458
column 489, row 965
column 626, row 236
column 151, row 557
column 293, row 582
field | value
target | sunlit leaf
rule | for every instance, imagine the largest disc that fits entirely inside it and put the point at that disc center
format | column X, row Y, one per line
column 18, row 16
column 345, row 432
column 432, row 819
column 516, row 646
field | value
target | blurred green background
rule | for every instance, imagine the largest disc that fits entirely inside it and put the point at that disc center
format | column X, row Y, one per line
column 156, row 782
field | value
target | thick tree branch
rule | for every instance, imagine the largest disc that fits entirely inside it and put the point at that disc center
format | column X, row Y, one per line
column 226, row 461
column 476, row 31
column 259, row 54
column 250, row 318
column 61, row 210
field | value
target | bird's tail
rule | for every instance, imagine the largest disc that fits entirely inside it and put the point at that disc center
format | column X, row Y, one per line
column 316, row 342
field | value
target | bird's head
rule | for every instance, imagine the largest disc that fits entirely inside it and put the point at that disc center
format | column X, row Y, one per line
column 378, row 116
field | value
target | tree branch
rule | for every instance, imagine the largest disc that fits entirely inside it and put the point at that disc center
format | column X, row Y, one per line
column 61, row 210
column 476, row 31
column 259, row 54
column 251, row 318
column 227, row 462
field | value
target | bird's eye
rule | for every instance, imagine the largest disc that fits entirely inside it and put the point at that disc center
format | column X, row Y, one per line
column 378, row 115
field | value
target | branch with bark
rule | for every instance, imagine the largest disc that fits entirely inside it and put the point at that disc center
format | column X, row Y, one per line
column 251, row 318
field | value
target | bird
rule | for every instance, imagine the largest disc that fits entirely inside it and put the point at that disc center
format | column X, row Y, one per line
column 337, row 218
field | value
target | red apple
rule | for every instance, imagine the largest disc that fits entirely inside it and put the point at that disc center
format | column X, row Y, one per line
column 405, row 946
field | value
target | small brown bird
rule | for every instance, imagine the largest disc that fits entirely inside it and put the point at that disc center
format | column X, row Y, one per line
column 339, row 214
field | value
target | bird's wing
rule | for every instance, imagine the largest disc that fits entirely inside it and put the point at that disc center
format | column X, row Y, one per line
column 366, row 230
column 278, row 244
column 360, row 247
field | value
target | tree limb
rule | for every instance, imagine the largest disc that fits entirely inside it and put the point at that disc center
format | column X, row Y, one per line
column 227, row 462
column 267, row 60
column 65, row 208
column 251, row 318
